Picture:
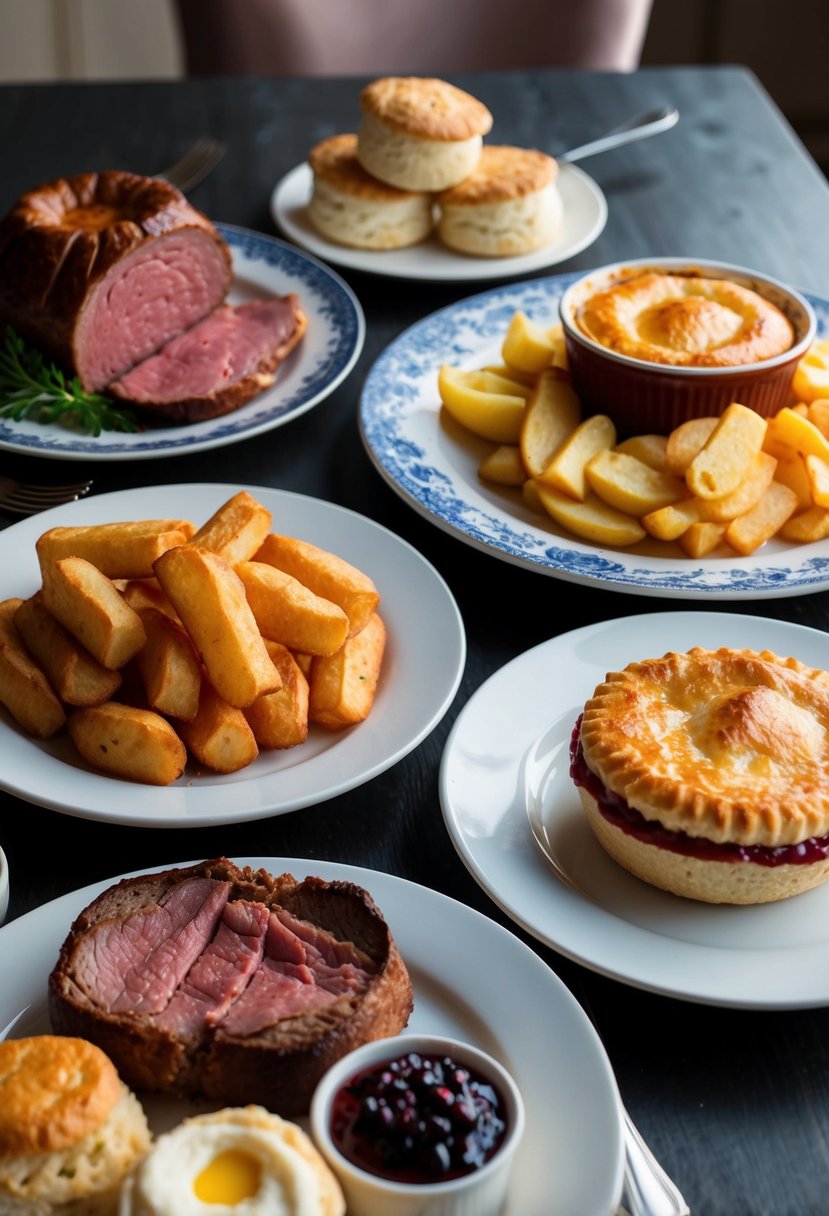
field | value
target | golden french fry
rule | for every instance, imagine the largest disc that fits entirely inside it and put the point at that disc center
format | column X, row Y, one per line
column 287, row 611
column 488, row 405
column 806, row 526
column 327, row 575
column 650, row 449
column 147, row 593
column 669, row 523
column 686, row 441
column 169, row 667
column 793, row 430
column 527, row 345
column 280, row 719
column 219, row 736
column 591, row 519
column 24, row 688
column 342, row 686
column 631, row 486
column 750, row 490
column 90, row 607
column 566, row 470
column 701, row 538
column 721, row 464
column 553, row 412
column 75, row 676
column 749, row 531
column 125, row 741
column 210, row 599
column 503, row 466
column 236, row 529
column 118, row 550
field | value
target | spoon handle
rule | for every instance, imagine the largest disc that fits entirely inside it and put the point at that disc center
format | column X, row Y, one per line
column 635, row 128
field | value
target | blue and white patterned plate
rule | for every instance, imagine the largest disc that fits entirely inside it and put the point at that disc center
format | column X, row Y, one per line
column 263, row 265
column 433, row 466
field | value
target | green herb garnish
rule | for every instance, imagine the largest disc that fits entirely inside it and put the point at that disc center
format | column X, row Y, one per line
column 31, row 387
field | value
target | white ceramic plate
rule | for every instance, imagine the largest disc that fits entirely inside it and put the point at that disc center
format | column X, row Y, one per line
column 424, row 660
column 432, row 463
column 262, row 266
column 505, row 787
column 474, row 981
column 585, row 215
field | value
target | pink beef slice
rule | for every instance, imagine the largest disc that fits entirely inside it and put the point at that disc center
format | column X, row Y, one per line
column 219, row 364
column 221, row 973
column 304, row 970
column 100, row 270
column 135, row 964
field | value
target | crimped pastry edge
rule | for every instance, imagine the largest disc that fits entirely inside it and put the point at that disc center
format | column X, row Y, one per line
column 766, row 817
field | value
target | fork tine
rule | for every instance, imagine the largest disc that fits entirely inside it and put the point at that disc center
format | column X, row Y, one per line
column 195, row 164
column 22, row 499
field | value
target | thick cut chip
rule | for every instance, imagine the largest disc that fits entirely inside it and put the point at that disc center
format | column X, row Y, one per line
column 553, row 412
column 566, row 470
column 806, row 526
column 750, row 490
column 219, row 736
column 342, row 686
column 721, row 464
column 527, row 345
column 280, row 719
column 811, row 376
column 796, row 431
column 748, row 532
column 701, row 538
column 119, row 550
column 650, row 449
column 236, row 530
column 631, row 486
column 91, row 608
column 75, row 676
column 169, row 667
column 591, row 519
column 324, row 573
column 128, row 742
column 24, row 688
column 669, row 523
column 686, row 441
column 287, row 611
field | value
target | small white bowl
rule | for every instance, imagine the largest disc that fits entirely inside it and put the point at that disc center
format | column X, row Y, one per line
column 4, row 886
column 480, row 1193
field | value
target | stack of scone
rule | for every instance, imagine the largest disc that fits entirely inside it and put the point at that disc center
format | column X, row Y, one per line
column 418, row 165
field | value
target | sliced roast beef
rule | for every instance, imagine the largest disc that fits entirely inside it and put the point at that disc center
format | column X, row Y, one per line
column 218, row 364
column 295, row 974
column 100, row 270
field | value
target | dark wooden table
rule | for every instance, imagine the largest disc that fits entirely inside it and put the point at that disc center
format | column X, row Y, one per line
column 735, row 1103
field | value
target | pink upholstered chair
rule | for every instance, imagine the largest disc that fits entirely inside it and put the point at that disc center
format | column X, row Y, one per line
column 418, row 37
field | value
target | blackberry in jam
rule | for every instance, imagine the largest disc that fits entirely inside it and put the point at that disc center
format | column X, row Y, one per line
column 418, row 1119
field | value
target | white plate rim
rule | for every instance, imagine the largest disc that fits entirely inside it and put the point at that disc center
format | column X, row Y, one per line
column 263, row 264
column 436, row 474
column 423, row 669
column 496, row 842
column 564, row 1168
column 585, row 216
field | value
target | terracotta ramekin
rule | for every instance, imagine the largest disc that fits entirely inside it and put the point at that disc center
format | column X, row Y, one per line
column 644, row 397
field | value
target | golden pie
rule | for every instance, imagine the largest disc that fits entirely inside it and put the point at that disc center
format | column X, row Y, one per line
column 706, row 773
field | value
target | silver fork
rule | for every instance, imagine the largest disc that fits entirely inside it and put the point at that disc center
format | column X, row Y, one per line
column 195, row 164
column 22, row 498
column 648, row 1191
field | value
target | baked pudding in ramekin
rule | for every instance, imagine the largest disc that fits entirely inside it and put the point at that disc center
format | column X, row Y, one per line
column 656, row 341
column 706, row 773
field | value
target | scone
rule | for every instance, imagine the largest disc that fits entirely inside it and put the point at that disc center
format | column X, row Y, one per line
column 70, row 1130
column 245, row 1158
column 706, row 773
column 510, row 204
column 418, row 133
column 353, row 208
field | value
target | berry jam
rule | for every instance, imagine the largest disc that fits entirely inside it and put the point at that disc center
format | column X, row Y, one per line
column 418, row 1119
column 616, row 811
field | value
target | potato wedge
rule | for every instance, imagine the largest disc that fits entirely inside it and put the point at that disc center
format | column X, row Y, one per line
column 324, row 573
column 650, row 449
column 280, row 719
column 630, row 485
column 531, row 497
column 236, row 529
column 287, row 611
column 503, row 466
column 485, row 404
column 553, row 412
column 811, row 376
column 686, row 441
column 750, row 490
column 791, row 471
column 342, row 686
column 210, row 599
column 169, row 667
column 524, row 379
column 560, row 358
column 219, row 736
column 88, row 605
column 669, row 523
column 118, row 550
column 817, row 472
column 701, row 538
column 135, row 744
column 806, row 526
column 748, row 532
column 527, row 345
column 818, row 414
column 24, row 688
column 75, row 676
column 792, row 429
column 591, row 519
column 721, row 464
column 566, row 470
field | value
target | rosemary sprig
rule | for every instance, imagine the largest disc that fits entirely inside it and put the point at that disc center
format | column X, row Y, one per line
column 31, row 387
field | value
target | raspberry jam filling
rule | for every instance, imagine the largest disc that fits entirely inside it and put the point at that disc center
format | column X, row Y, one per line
column 616, row 811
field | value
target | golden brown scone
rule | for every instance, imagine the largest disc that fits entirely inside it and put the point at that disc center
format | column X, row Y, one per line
column 353, row 208
column 725, row 756
column 509, row 204
column 686, row 320
column 419, row 133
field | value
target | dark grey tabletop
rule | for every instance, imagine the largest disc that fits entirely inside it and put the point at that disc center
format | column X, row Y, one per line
column 735, row 1103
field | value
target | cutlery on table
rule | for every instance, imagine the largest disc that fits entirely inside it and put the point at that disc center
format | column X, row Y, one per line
column 195, row 164
column 648, row 1191
column 22, row 498
column 639, row 127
